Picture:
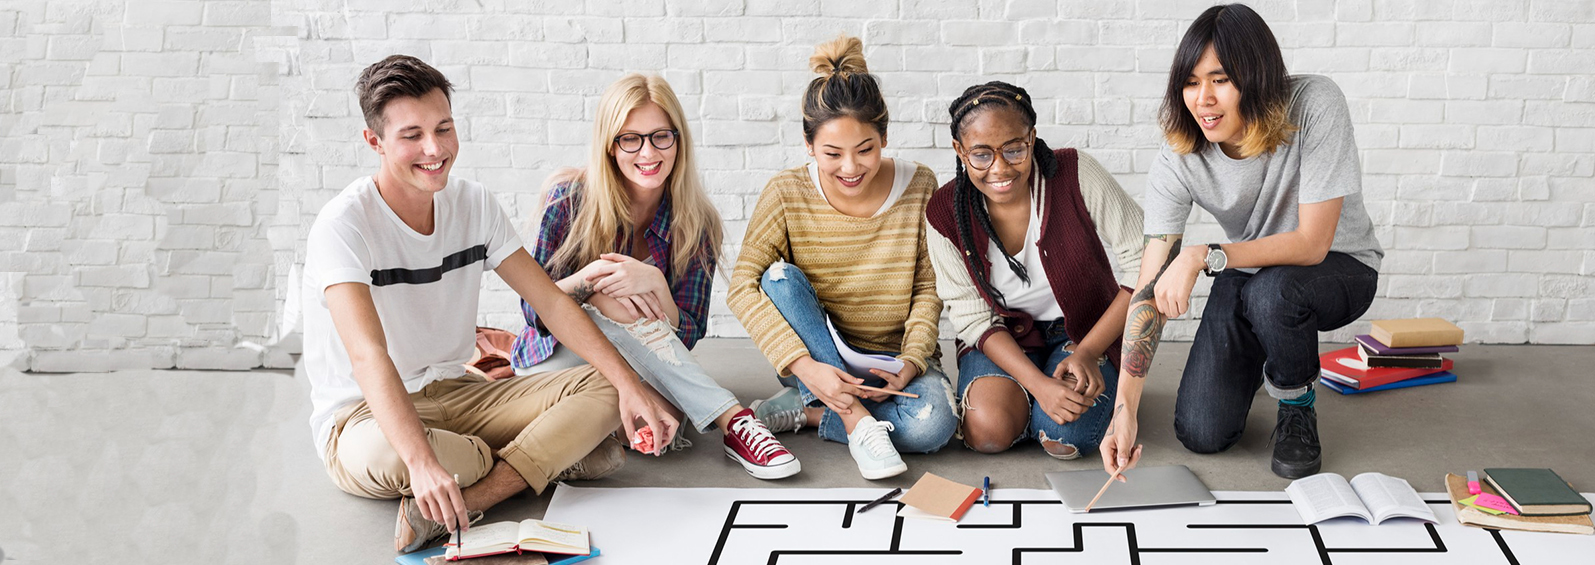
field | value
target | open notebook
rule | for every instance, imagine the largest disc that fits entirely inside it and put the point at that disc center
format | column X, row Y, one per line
column 526, row 535
column 434, row 556
column 1374, row 497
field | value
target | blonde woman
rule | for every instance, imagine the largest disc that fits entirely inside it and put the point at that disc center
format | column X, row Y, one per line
column 840, row 242
column 635, row 240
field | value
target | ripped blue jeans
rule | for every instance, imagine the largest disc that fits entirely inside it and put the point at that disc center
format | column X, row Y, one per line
column 922, row 425
column 658, row 356
column 1084, row 433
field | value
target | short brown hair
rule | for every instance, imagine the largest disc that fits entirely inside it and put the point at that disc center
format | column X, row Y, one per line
column 394, row 77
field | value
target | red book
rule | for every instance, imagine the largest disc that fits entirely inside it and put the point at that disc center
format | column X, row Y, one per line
column 1347, row 366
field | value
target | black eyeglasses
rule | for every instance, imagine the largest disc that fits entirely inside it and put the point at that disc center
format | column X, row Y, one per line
column 1014, row 153
column 661, row 139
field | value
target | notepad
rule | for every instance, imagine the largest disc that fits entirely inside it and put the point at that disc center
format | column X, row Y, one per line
column 936, row 498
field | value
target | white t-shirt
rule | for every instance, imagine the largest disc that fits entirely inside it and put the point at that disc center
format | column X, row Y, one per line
column 425, row 287
column 1035, row 297
column 903, row 171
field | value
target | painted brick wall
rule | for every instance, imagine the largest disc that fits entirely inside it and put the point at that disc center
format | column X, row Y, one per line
column 162, row 161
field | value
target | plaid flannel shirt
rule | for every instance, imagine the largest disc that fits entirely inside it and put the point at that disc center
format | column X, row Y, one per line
column 690, row 290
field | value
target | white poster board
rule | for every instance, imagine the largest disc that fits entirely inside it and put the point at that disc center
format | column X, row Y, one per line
column 820, row 526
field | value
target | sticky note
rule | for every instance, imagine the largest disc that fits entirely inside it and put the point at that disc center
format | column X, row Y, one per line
column 1473, row 503
column 1491, row 503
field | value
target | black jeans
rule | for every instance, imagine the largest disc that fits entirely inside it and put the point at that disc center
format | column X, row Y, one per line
column 1262, row 329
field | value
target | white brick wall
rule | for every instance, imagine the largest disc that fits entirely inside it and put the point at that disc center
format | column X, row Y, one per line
column 161, row 161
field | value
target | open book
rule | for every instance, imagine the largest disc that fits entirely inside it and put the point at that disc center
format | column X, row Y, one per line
column 1374, row 497
column 526, row 535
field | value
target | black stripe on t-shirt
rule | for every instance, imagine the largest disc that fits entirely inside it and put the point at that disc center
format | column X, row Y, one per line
column 385, row 277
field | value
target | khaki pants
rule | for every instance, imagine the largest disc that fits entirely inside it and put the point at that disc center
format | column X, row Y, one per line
column 540, row 425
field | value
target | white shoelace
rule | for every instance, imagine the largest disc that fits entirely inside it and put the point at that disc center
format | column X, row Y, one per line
column 876, row 440
column 757, row 437
column 787, row 419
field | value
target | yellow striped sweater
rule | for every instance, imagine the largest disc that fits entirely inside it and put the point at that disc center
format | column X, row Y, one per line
column 872, row 275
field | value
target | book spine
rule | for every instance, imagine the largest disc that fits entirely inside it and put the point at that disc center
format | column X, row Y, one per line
column 1415, row 338
column 1383, row 362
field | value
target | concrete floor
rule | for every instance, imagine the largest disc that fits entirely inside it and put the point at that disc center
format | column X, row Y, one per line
column 218, row 467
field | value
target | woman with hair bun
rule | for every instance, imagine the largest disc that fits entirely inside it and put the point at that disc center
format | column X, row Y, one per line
column 840, row 243
column 1017, row 238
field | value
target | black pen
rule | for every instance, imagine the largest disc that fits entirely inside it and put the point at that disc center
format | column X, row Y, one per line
column 886, row 497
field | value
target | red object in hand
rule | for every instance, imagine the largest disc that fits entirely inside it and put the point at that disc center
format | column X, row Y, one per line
column 644, row 440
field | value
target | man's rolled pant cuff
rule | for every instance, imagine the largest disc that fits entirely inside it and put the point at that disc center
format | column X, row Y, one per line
column 528, row 467
column 1286, row 393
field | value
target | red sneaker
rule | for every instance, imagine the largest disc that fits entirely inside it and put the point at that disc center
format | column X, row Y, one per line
column 750, row 443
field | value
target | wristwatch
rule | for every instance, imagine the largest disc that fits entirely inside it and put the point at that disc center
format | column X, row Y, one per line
column 1216, row 260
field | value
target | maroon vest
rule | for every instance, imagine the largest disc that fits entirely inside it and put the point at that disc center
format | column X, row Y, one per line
column 1072, row 255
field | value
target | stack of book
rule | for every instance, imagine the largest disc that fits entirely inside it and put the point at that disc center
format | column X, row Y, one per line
column 1540, row 502
column 1394, row 354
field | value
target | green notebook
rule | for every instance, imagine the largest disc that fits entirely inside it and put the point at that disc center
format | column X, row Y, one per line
column 1537, row 492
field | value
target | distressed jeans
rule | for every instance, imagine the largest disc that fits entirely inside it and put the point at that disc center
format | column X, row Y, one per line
column 1085, row 432
column 1261, row 330
column 922, row 425
column 658, row 356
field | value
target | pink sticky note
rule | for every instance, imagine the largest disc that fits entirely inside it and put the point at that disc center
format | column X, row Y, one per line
column 1494, row 502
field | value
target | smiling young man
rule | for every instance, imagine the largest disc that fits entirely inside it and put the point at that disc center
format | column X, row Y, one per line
column 393, row 273
column 1273, row 158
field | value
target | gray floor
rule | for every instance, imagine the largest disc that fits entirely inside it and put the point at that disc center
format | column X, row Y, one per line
column 217, row 467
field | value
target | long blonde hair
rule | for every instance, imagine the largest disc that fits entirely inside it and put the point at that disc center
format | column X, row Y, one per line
column 604, row 205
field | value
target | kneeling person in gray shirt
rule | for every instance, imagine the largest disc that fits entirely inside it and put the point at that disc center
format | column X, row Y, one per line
column 1273, row 158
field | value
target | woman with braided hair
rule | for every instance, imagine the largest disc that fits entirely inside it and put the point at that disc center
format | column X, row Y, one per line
column 840, row 243
column 1017, row 240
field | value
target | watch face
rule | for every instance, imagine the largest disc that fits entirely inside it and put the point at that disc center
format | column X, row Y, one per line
column 1216, row 260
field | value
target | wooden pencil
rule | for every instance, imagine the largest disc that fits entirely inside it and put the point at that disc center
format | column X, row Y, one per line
column 896, row 392
column 1105, row 486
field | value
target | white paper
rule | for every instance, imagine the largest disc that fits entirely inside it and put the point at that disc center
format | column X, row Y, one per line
column 553, row 534
column 917, row 514
column 1374, row 497
column 859, row 364
column 687, row 525
column 1324, row 496
column 1389, row 497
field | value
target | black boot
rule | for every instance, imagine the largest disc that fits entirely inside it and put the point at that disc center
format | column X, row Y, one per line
column 1297, row 453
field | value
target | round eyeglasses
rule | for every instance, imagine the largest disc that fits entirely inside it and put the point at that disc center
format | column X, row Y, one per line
column 661, row 139
column 1013, row 153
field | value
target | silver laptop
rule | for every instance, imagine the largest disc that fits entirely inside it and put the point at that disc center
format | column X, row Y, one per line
column 1171, row 485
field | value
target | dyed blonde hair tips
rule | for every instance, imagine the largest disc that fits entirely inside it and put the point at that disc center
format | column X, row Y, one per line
column 695, row 229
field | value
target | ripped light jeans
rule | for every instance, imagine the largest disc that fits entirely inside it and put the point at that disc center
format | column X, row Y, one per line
column 1085, row 432
column 658, row 356
column 921, row 425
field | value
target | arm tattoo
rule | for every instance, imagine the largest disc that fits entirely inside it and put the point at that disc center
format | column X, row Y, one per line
column 1145, row 327
column 582, row 292
column 1116, row 411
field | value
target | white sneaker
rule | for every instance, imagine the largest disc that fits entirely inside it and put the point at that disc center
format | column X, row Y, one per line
column 872, row 449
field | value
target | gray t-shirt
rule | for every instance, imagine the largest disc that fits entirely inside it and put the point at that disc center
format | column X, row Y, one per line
column 1257, row 197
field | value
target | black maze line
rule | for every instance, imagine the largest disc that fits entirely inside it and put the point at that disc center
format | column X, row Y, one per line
column 385, row 277
column 1078, row 529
